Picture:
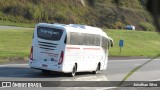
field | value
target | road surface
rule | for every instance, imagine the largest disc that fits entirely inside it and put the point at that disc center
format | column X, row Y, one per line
column 116, row 71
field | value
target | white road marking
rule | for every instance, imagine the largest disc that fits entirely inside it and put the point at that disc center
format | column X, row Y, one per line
column 137, row 64
column 132, row 60
column 2, row 87
column 13, row 65
column 155, row 80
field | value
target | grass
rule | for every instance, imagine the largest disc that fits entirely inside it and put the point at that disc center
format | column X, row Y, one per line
column 15, row 44
column 9, row 23
column 4, row 61
column 136, row 43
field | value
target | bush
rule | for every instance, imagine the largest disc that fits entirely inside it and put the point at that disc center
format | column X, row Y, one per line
column 103, row 14
column 147, row 26
column 14, row 10
column 119, row 25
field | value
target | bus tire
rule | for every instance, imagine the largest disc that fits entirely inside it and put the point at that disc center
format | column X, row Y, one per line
column 72, row 74
column 98, row 68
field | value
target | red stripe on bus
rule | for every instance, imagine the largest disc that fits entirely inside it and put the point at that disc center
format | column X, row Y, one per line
column 91, row 48
column 72, row 48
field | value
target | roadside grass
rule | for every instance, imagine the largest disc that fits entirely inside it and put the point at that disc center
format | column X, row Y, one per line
column 15, row 44
column 9, row 23
column 4, row 61
column 136, row 43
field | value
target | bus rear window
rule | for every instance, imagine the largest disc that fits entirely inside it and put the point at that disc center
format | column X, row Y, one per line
column 49, row 33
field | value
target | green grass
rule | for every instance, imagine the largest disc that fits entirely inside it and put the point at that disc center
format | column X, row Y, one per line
column 15, row 44
column 18, row 24
column 136, row 43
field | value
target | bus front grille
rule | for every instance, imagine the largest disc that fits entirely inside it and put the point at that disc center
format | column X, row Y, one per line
column 47, row 46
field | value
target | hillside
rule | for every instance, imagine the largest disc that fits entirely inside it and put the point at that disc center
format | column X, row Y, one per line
column 104, row 13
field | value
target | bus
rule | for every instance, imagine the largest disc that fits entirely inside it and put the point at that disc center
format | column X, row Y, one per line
column 69, row 48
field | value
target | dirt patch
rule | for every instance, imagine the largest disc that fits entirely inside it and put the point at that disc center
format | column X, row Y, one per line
column 15, row 60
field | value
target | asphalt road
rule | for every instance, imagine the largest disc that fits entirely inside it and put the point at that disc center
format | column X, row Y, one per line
column 116, row 71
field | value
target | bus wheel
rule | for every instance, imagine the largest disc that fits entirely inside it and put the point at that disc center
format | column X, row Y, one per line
column 96, row 71
column 46, row 71
column 73, row 71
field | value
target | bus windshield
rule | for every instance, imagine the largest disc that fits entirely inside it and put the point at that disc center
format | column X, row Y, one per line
column 49, row 33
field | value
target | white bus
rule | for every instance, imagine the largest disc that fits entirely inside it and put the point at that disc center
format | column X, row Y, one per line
column 69, row 48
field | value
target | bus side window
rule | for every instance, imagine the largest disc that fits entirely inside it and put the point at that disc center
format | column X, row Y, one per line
column 74, row 38
column 96, row 40
column 89, row 39
column 104, row 43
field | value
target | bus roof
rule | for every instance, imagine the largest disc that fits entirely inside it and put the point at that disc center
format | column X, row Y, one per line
column 76, row 28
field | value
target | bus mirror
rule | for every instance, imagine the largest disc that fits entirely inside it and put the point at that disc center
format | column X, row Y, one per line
column 112, row 44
